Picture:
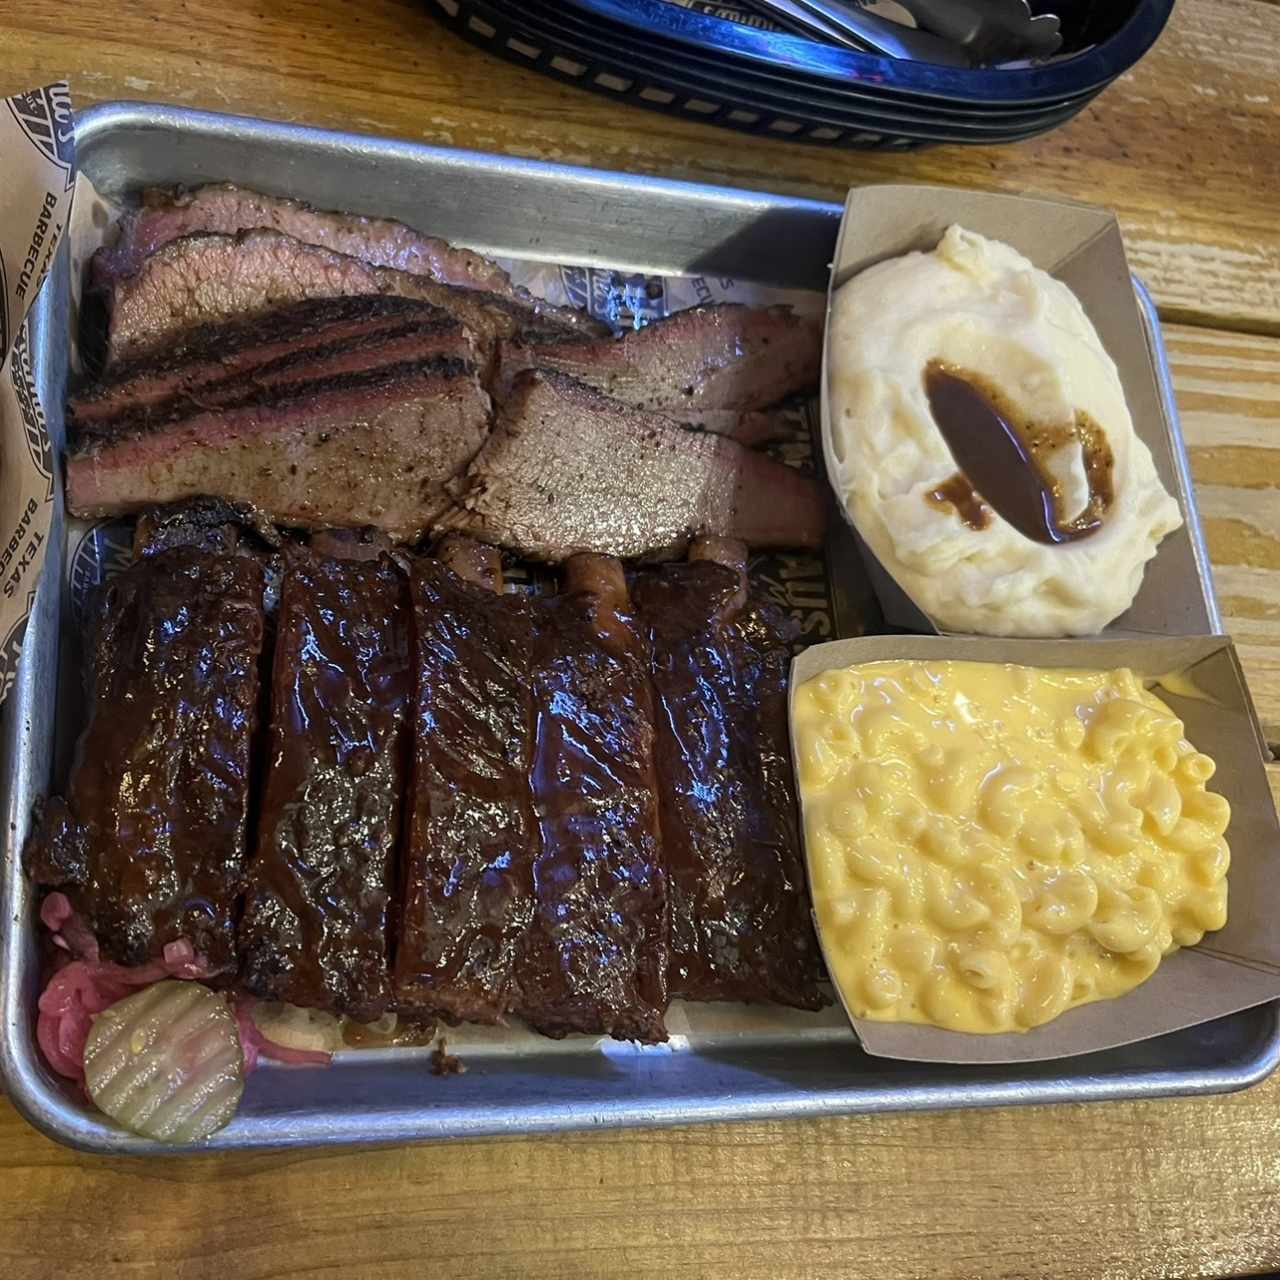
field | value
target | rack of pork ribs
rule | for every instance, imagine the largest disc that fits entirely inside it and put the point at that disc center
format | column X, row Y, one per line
column 406, row 789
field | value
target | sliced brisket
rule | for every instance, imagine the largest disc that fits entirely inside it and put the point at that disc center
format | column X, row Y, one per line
column 368, row 449
column 167, row 215
column 715, row 358
column 217, row 352
column 595, row 958
column 149, row 842
column 203, row 279
column 740, row 926
column 467, row 869
column 567, row 469
column 314, row 931
column 410, row 344
column 748, row 427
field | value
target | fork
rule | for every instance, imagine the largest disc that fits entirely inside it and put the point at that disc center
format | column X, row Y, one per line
column 948, row 32
column 850, row 26
column 991, row 30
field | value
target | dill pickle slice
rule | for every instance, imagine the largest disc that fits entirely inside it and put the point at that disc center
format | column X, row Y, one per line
column 166, row 1062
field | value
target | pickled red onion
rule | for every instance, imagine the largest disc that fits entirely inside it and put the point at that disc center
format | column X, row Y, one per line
column 86, row 985
column 255, row 1045
column 69, row 930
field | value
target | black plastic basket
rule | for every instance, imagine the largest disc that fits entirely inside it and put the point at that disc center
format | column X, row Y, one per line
column 695, row 66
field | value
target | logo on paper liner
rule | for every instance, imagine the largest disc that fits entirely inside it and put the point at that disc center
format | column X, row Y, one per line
column 44, row 116
column 11, row 650
column 34, row 428
column 620, row 300
column 103, row 551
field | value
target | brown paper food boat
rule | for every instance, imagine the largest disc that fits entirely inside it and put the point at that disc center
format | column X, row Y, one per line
column 1080, row 245
column 1237, row 967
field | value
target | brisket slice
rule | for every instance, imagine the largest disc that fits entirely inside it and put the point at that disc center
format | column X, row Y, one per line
column 467, row 868
column 149, row 842
column 372, row 449
column 567, row 469
column 740, row 927
column 202, row 279
column 595, row 959
column 351, row 544
column 716, row 358
column 314, row 931
column 170, row 215
column 410, row 344
column 216, row 352
column 748, row 427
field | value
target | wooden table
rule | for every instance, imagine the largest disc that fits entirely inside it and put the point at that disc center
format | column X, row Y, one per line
column 1187, row 149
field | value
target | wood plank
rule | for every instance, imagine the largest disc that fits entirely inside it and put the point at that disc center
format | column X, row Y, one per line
column 1186, row 147
column 1229, row 399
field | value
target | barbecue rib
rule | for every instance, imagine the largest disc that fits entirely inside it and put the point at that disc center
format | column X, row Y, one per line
column 366, row 449
column 314, row 931
column 595, row 958
column 207, row 523
column 217, row 353
column 715, row 358
column 740, row 925
column 567, row 469
column 202, row 279
column 166, row 216
column 149, row 843
column 467, row 869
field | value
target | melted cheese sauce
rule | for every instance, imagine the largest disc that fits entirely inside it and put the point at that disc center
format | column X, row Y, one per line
column 991, row 845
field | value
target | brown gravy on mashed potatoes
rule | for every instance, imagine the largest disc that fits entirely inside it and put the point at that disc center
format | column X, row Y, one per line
column 1001, row 460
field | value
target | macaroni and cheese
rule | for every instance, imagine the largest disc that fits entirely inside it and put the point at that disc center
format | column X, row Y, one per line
column 991, row 845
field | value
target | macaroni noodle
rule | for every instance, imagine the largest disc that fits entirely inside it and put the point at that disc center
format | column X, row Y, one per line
column 991, row 845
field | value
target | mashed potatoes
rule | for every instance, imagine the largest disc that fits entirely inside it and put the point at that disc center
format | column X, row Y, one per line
column 977, row 311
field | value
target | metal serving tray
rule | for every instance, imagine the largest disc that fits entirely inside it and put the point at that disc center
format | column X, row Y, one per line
column 721, row 1063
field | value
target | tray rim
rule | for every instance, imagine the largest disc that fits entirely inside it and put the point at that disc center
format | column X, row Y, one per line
column 27, row 758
